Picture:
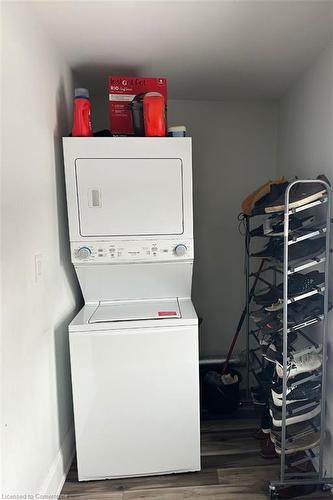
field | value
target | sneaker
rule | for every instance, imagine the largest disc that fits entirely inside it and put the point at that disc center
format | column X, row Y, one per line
column 303, row 250
column 296, row 412
column 302, row 364
column 268, row 298
column 299, row 195
column 302, row 311
column 309, row 308
column 276, row 339
column 297, row 381
column 273, row 352
column 301, row 444
column 274, row 191
column 273, row 226
column 277, row 306
column 308, row 390
column 265, row 192
column 273, row 247
column 298, row 284
column 296, row 431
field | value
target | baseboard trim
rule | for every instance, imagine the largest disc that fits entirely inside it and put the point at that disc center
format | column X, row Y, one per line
column 58, row 471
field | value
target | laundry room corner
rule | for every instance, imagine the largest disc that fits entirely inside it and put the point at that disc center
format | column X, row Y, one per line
column 166, row 251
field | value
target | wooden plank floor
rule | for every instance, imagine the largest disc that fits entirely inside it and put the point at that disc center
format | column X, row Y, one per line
column 232, row 469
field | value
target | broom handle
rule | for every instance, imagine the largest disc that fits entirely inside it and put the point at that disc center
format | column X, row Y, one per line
column 240, row 323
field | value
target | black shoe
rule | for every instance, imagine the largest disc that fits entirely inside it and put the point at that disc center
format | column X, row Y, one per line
column 273, row 352
column 300, row 411
column 276, row 190
column 272, row 247
column 303, row 250
column 307, row 309
column 300, row 194
column 298, row 284
column 307, row 249
column 301, row 379
column 268, row 298
column 274, row 225
column 308, row 390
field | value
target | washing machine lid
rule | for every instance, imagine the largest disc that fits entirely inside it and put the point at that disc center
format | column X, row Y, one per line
column 134, row 310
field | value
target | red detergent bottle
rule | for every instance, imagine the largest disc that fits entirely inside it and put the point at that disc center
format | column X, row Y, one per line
column 81, row 114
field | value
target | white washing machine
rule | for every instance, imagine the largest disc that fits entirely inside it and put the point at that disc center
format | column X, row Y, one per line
column 134, row 345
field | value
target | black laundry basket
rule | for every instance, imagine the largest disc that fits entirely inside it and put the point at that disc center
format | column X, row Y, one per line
column 218, row 397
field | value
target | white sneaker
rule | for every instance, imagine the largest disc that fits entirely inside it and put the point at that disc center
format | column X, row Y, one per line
column 302, row 364
column 275, row 307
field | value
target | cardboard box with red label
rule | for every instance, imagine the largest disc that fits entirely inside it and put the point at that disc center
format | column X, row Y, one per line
column 122, row 90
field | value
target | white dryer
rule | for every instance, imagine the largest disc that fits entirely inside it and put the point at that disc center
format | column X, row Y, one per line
column 134, row 345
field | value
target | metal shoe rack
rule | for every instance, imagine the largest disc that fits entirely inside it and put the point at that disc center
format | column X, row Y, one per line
column 255, row 362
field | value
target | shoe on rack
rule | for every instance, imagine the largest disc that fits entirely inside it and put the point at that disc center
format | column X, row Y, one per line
column 298, row 381
column 308, row 390
column 275, row 192
column 296, row 431
column 303, row 310
column 273, row 226
column 296, row 412
column 276, row 339
column 308, row 362
column 273, row 352
column 272, row 248
column 298, row 284
column 261, row 192
column 302, row 250
column 299, row 195
column 300, row 444
column 268, row 298
column 277, row 306
column 298, row 312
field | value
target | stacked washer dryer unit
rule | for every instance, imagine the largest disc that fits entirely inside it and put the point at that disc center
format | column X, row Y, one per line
column 134, row 344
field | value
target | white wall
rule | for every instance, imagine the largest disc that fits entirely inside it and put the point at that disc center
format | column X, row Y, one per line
column 306, row 150
column 37, row 432
column 234, row 151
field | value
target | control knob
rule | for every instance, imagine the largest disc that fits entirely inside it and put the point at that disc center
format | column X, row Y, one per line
column 180, row 250
column 83, row 253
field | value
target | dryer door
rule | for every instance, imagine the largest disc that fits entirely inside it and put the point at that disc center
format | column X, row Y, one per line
column 129, row 197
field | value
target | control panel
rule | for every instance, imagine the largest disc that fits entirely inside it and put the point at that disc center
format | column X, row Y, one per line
column 128, row 251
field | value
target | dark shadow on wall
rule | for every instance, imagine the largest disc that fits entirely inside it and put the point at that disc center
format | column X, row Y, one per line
column 61, row 339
